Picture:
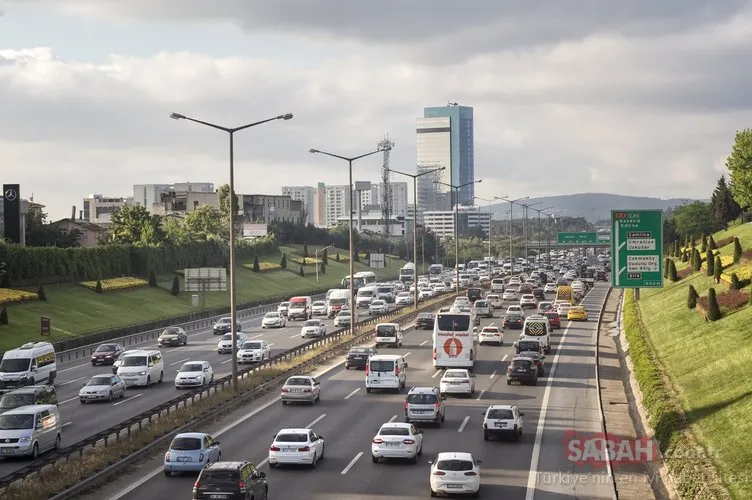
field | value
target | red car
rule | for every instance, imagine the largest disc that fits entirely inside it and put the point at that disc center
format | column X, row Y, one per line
column 553, row 319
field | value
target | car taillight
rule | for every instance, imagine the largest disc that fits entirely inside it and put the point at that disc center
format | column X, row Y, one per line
column 195, row 486
column 241, row 485
column 439, row 473
column 167, row 457
column 471, row 473
column 378, row 441
column 396, row 370
column 306, row 390
column 434, row 353
column 305, row 448
column 407, row 405
column 366, row 368
column 201, row 457
column 408, row 441
column 274, row 448
column 285, row 390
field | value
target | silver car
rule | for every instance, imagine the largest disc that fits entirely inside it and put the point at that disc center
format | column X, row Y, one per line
column 301, row 388
column 102, row 388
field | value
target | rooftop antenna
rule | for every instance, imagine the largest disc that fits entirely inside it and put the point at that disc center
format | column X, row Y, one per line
column 450, row 103
column 386, row 145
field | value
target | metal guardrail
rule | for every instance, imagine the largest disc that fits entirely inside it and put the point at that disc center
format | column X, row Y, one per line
column 127, row 427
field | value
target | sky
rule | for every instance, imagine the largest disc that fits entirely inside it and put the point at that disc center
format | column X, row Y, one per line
column 636, row 98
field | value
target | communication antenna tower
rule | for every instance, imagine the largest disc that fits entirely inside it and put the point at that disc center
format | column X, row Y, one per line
column 386, row 145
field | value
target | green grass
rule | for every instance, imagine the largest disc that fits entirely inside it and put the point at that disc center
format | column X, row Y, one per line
column 75, row 310
column 708, row 365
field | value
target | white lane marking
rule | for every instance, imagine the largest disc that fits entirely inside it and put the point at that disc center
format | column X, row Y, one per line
column 492, row 375
column 66, row 424
column 255, row 337
column 71, row 368
column 74, row 380
column 68, row 400
column 407, row 354
column 315, row 421
column 505, row 357
column 262, row 463
column 491, row 324
column 424, row 343
column 438, row 372
column 394, row 417
column 225, row 361
column 463, row 424
column 296, row 335
column 127, row 399
column 480, row 396
column 352, row 463
column 178, row 362
column 352, row 393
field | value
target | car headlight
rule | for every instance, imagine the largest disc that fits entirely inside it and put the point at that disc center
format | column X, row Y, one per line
column 24, row 439
column 142, row 373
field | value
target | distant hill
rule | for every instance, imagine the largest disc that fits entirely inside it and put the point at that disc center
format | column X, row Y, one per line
column 591, row 206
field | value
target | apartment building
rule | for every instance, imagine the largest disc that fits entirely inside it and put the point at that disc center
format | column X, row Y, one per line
column 442, row 222
column 98, row 209
column 267, row 208
column 308, row 196
column 146, row 195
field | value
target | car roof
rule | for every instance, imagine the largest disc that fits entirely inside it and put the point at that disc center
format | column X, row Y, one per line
column 455, row 455
column 396, row 425
column 423, row 390
column 388, row 324
column 500, row 407
column 197, row 435
column 294, row 430
column 22, row 410
column 299, row 376
column 29, row 388
column 224, row 465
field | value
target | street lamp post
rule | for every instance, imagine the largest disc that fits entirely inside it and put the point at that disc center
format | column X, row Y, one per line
column 415, row 225
column 539, row 228
column 456, row 227
column 490, row 201
column 233, row 302
column 349, row 161
column 316, row 258
column 525, row 231
column 511, row 219
column 548, row 233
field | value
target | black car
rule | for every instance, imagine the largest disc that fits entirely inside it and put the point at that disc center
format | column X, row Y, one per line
column 474, row 294
column 600, row 275
column 172, row 336
column 224, row 326
column 358, row 357
column 539, row 294
column 230, row 481
column 424, row 321
column 537, row 358
column 513, row 321
column 522, row 370
column 106, row 354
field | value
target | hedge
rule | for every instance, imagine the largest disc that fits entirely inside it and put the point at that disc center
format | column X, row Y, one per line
column 308, row 260
column 726, row 261
column 36, row 265
column 113, row 284
column 7, row 296
column 264, row 267
column 744, row 273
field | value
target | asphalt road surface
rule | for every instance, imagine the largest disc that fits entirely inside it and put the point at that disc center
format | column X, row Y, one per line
column 538, row 466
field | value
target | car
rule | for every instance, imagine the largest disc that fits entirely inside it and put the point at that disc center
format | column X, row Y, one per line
column 502, row 420
column 378, row 306
column 457, row 381
column 194, row 374
column 425, row 294
column 224, row 325
column 225, row 343
column 509, row 295
column 254, row 351
column 514, row 321
column 425, row 321
column 539, row 294
column 233, row 479
column 106, row 354
column 425, row 404
column 553, row 318
column 515, row 310
column 462, row 302
column 357, row 357
column 483, row 308
column 495, row 300
column 397, row 440
column 403, row 299
column 172, row 336
column 563, row 309
column 491, row 335
column 549, row 288
column 343, row 319
column 283, row 308
column 318, row 308
column 389, row 334
column 102, row 388
column 528, row 300
column 301, row 389
column 544, row 306
column 537, row 358
column 296, row 447
column 522, row 370
column 474, row 294
column 190, row 452
column 274, row 320
column 577, row 313
column 515, row 281
column 119, row 360
column 313, row 328
column 454, row 473
column 28, row 395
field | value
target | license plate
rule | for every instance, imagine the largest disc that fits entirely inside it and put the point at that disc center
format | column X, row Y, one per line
column 454, row 486
column 184, row 459
column 392, row 445
column 296, row 390
column 217, row 497
column 499, row 424
column 521, row 370
column 7, row 451
column 374, row 381
column 288, row 449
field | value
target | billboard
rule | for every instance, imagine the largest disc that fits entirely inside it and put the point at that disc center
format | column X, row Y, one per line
column 12, row 212
column 206, row 279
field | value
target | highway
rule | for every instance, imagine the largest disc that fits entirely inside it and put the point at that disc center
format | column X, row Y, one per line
column 84, row 420
column 535, row 467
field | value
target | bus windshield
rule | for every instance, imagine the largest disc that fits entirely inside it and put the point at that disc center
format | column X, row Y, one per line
column 453, row 322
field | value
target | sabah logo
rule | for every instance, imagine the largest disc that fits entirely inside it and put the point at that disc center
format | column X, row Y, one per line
column 597, row 449
column 10, row 194
column 453, row 347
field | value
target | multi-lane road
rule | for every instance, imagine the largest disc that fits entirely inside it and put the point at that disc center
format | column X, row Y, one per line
column 538, row 466
column 82, row 421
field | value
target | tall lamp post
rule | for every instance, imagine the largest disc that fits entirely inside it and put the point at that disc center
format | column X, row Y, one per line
column 490, row 201
column 414, row 177
column 233, row 305
column 349, row 160
column 456, row 227
column 316, row 258
column 539, row 228
column 551, row 216
column 525, row 232
column 511, row 218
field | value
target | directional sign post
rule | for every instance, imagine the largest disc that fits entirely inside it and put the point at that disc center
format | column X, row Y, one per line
column 577, row 238
column 636, row 249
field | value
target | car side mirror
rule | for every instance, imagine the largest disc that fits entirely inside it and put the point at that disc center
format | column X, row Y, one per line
column 430, row 462
column 478, row 462
column 522, row 414
column 216, row 443
column 321, row 438
column 406, row 365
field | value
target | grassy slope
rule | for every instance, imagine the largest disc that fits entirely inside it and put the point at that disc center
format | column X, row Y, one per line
column 709, row 365
column 74, row 309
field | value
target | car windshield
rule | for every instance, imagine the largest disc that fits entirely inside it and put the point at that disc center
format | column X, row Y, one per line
column 170, row 331
column 530, row 354
column 378, row 303
column 500, row 414
column 298, row 381
column 318, row 303
column 99, row 381
column 186, row 443
column 284, row 304
column 251, row 345
column 292, row 438
column 394, row 431
column 382, row 365
column 421, row 399
column 344, row 313
column 481, row 303
column 490, row 329
column 454, row 465
column 14, row 365
column 10, row 401
column 224, row 321
column 313, row 322
column 227, row 336
column 385, row 329
column 360, row 350
column 192, row 367
column 520, row 363
column 455, row 374
column 272, row 315
column 220, row 477
column 16, row 422
column 134, row 361
column 106, row 348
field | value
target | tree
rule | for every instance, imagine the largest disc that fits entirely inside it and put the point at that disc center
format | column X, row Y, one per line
column 685, row 256
column 368, row 257
column 41, row 293
column 283, row 261
column 356, row 254
column 669, row 229
column 336, row 257
column 694, row 218
column 666, row 264
column 205, row 221
column 672, row 274
column 692, row 297
column 152, row 278
column 322, row 268
column 739, row 163
column 256, row 266
column 325, row 257
column 301, row 271
column 735, row 283
column 711, row 243
column 131, row 225
column 41, row 233
column 304, row 261
column 714, row 310
column 697, row 265
column 6, row 280
column 704, row 246
column 176, row 232
column 722, row 203
column 305, row 250
column 737, row 250
column 709, row 262
column 98, row 287
column 717, row 269
column 4, row 316
column 223, row 200
column 175, row 289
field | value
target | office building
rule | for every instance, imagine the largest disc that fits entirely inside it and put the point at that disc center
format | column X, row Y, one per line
column 373, row 222
column 441, row 222
column 397, row 196
column 146, row 195
column 98, row 209
column 267, row 208
column 308, row 196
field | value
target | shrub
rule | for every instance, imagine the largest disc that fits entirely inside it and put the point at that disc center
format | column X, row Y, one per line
column 175, row 289
column 684, row 257
column 325, row 257
column 711, row 243
column 4, row 316
column 672, row 275
column 41, row 293
column 98, row 287
column 692, row 297
column 692, row 254
column 301, row 271
column 152, row 278
column 710, row 268
column 322, row 268
column 9, row 295
column 735, row 283
column 743, row 274
column 725, row 241
column 714, row 310
column 283, row 261
column 737, row 251
column 336, row 257
column 304, row 262
column 305, row 250
column 666, row 265
column 114, row 284
column 356, row 255
column 367, row 257
column 677, row 249
column 697, row 261
column 256, row 267
column 717, row 269
column 704, row 245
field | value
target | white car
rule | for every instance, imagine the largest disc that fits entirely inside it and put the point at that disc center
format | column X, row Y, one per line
column 483, row 308
column 454, row 473
column 514, row 281
column 225, row 343
column 457, row 381
column 397, row 440
column 283, row 307
column 425, row 294
column 563, row 309
column 378, row 306
column 515, row 310
column 388, row 334
column 403, row 299
column 342, row 319
column 194, row 374
column 319, row 308
column 295, row 447
column 509, row 294
column 440, row 288
column 254, row 351
column 528, row 300
column 502, row 420
column 491, row 335
column 549, row 288
column 274, row 320
column 313, row 328
column 495, row 300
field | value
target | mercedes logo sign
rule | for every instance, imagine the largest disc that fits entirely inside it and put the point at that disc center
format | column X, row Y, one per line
column 10, row 194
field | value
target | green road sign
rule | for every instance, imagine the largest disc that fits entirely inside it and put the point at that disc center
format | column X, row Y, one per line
column 604, row 238
column 576, row 238
column 636, row 248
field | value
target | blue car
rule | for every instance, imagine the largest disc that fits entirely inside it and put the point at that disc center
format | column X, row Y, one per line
column 190, row 452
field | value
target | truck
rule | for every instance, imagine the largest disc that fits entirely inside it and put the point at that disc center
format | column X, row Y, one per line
column 407, row 273
column 338, row 299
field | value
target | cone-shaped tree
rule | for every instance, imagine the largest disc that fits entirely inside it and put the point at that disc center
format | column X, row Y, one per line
column 697, row 264
column 283, row 261
column 672, row 274
column 4, row 316
column 735, row 283
column 356, row 255
column 305, row 249
column 737, row 250
column 325, row 257
column 666, row 264
column 692, row 297
column 256, row 266
column 709, row 262
column 336, row 257
column 301, row 271
column 717, row 269
column 175, row 290
column 98, row 287
column 304, row 261
column 152, row 278
column 714, row 310
column 711, row 243
column 41, row 293
column 704, row 245
column 678, row 249
column 685, row 257
column 322, row 268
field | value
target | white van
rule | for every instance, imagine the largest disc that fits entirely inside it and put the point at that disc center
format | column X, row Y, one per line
column 142, row 368
column 497, row 285
column 30, row 430
column 29, row 364
column 538, row 328
column 365, row 296
column 386, row 371
column 389, row 334
column 338, row 299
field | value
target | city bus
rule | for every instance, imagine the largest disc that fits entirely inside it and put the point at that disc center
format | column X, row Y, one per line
column 363, row 278
column 435, row 269
column 454, row 342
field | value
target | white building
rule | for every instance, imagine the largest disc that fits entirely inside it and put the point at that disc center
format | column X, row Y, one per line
column 336, row 204
column 307, row 195
column 373, row 222
column 398, row 197
column 434, row 150
column 442, row 222
column 98, row 209
column 146, row 195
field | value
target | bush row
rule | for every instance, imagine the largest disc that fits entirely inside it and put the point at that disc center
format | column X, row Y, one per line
column 264, row 267
column 8, row 295
column 113, row 284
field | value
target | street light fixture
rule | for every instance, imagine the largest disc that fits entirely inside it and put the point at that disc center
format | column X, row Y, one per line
column 456, row 227
column 349, row 160
column 316, row 258
column 539, row 228
column 490, row 201
column 525, row 232
column 551, row 216
column 511, row 218
column 233, row 303
column 415, row 225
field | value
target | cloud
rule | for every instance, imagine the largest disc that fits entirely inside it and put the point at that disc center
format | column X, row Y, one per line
column 633, row 99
